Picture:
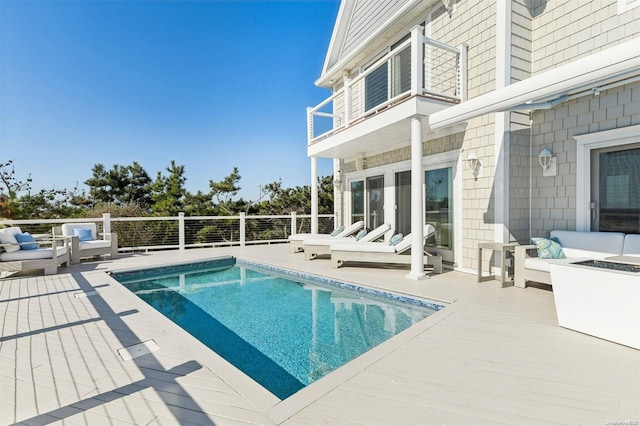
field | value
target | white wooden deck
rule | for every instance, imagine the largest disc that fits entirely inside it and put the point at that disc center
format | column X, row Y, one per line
column 494, row 355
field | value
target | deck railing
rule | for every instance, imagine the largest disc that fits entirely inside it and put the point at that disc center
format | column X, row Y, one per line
column 182, row 232
column 418, row 66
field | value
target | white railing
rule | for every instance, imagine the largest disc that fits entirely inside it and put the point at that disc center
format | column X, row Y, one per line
column 418, row 66
column 181, row 232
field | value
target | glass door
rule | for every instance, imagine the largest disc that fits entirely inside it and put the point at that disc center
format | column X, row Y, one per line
column 439, row 206
column 375, row 201
column 615, row 189
column 357, row 201
column 403, row 202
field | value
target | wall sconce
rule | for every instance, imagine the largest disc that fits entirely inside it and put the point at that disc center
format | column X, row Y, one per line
column 548, row 163
column 337, row 179
column 475, row 164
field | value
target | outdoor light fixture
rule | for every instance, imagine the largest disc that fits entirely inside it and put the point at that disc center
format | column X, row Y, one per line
column 548, row 163
column 475, row 164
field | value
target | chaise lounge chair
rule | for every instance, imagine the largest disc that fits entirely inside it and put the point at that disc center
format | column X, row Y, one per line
column 18, row 256
column 85, row 242
column 314, row 247
column 296, row 241
column 383, row 252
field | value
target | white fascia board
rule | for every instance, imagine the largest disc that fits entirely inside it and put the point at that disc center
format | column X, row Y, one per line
column 616, row 62
column 339, row 31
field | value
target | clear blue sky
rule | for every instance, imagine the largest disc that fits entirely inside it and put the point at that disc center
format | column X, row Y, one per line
column 209, row 84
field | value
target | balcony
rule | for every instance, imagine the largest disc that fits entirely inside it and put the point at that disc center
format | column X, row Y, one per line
column 419, row 76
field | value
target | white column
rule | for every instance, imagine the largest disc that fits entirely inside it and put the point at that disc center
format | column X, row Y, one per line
column 501, row 131
column 417, row 196
column 314, row 195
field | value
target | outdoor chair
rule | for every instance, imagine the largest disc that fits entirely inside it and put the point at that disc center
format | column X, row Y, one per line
column 384, row 252
column 296, row 241
column 85, row 242
column 22, row 251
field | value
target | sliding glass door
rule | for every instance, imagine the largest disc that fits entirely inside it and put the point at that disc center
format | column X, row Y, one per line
column 439, row 206
column 615, row 193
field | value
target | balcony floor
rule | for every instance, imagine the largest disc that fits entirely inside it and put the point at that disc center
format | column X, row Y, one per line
column 495, row 355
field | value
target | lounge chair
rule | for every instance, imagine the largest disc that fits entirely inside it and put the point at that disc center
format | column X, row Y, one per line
column 30, row 254
column 314, row 247
column 296, row 241
column 383, row 252
column 85, row 242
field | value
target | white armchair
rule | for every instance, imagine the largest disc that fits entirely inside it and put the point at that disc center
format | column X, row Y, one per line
column 85, row 241
column 44, row 253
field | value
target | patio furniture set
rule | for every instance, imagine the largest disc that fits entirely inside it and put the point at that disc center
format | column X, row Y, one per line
column 66, row 244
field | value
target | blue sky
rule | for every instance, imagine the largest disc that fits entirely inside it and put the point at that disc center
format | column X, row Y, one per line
column 209, row 84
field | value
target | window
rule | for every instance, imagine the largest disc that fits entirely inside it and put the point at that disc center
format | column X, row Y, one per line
column 376, row 87
column 615, row 189
column 607, row 178
column 357, row 201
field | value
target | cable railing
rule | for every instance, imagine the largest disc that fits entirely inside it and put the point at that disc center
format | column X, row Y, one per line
column 418, row 66
column 137, row 234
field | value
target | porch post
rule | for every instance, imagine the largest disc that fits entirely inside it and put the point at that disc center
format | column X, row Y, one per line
column 417, row 195
column 314, row 195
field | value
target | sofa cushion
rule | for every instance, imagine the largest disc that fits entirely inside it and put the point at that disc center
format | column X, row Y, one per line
column 27, row 238
column 41, row 253
column 548, row 248
column 94, row 244
column 610, row 243
column 631, row 245
column 8, row 236
column 574, row 253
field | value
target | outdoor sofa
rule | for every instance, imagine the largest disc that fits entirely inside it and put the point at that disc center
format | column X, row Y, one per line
column 39, row 252
column 576, row 245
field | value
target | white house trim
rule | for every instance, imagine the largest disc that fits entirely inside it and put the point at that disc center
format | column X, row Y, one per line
column 616, row 63
column 584, row 145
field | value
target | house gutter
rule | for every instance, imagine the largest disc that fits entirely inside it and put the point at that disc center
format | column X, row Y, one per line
column 616, row 63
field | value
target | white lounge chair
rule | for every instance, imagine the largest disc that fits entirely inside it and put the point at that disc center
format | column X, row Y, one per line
column 16, row 256
column 383, row 252
column 296, row 241
column 85, row 242
column 314, row 247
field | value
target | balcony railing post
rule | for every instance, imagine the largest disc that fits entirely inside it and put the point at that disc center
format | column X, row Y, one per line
column 309, row 124
column 294, row 224
column 106, row 223
column 347, row 99
column 181, row 235
column 242, row 229
column 462, row 71
column 417, row 60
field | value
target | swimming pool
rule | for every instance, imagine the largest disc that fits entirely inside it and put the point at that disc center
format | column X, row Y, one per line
column 283, row 329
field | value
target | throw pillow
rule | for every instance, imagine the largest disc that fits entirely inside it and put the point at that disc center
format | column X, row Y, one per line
column 27, row 238
column 361, row 234
column 548, row 248
column 83, row 234
column 395, row 239
column 338, row 230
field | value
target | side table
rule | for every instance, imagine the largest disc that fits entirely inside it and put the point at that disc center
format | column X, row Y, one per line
column 503, row 248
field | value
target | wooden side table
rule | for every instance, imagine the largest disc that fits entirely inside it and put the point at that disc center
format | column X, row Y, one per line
column 503, row 248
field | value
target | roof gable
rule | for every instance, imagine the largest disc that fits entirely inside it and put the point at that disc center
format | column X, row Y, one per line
column 357, row 20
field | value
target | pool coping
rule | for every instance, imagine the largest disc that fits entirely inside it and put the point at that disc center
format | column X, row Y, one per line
column 275, row 409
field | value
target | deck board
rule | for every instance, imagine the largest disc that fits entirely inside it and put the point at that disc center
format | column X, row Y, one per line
column 498, row 358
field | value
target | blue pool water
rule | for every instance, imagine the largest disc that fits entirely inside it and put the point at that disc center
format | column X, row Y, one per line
column 283, row 329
